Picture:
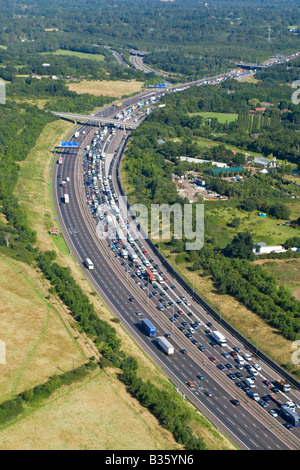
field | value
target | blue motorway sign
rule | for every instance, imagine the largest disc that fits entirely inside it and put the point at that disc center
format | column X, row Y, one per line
column 69, row 144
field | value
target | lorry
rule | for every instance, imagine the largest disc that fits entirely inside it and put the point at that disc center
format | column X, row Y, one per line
column 219, row 338
column 250, row 383
column 165, row 345
column 283, row 385
column 149, row 274
column 66, row 198
column 132, row 256
column 277, row 399
column 148, row 328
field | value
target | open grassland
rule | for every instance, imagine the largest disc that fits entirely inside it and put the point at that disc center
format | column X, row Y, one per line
column 265, row 229
column 99, row 414
column 287, row 272
column 114, row 89
column 80, row 55
column 37, row 332
column 223, row 118
column 96, row 414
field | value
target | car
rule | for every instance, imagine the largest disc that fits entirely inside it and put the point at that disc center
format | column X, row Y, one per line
column 236, row 348
column 165, row 279
column 208, row 393
column 263, row 403
column 273, row 413
column 221, row 367
column 212, row 359
column 167, row 335
column 189, row 335
column 232, row 376
column 266, row 398
column 275, row 390
column 194, row 341
column 207, row 332
column 131, row 299
column 184, row 323
column 235, row 402
column 180, row 312
column 267, row 382
column 239, row 375
column 228, row 365
column 188, row 303
column 247, row 357
column 138, row 313
column 181, row 328
column 257, row 366
column 239, row 367
column 200, row 377
column 288, row 426
column 183, row 351
column 209, row 324
column 239, row 384
column 172, row 319
column 213, row 344
column 201, row 347
column 253, row 371
column 225, row 354
column 190, row 314
column 182, row 297
column 233, row 354
column 173, row 287
column 191, row 384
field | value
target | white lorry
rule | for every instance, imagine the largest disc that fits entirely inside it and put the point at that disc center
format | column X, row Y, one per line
column 165, row 345
column 219, row 338
column 250, row 383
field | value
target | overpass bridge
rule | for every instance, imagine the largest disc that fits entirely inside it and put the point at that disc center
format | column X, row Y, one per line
column 97, row 119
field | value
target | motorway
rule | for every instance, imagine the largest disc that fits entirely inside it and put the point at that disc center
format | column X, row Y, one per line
column 248, row 425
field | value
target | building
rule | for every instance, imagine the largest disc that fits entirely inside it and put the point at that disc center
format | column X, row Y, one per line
column 262, row 249
column 225, row 171
column 198, row 160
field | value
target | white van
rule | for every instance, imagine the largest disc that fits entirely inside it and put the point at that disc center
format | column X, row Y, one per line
column 89, row 263
column 250, row 383
column 240, row 360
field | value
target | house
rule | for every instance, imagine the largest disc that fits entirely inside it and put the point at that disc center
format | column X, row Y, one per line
column 262, row 249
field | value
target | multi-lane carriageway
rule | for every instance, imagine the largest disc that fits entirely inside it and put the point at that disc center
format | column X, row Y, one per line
column 248, row 425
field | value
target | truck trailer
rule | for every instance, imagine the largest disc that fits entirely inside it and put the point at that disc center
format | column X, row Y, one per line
column 148, row 328
column 165, row 345
column 150, row 275
column 219, row 338
column 283, row 385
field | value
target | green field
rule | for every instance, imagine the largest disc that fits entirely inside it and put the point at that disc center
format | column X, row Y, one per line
column 222, row 117
column 80, row 55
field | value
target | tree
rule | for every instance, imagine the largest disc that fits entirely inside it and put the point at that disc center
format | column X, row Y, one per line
column 241, row 246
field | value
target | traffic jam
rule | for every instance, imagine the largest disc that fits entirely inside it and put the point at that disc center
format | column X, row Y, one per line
column 113, row 225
